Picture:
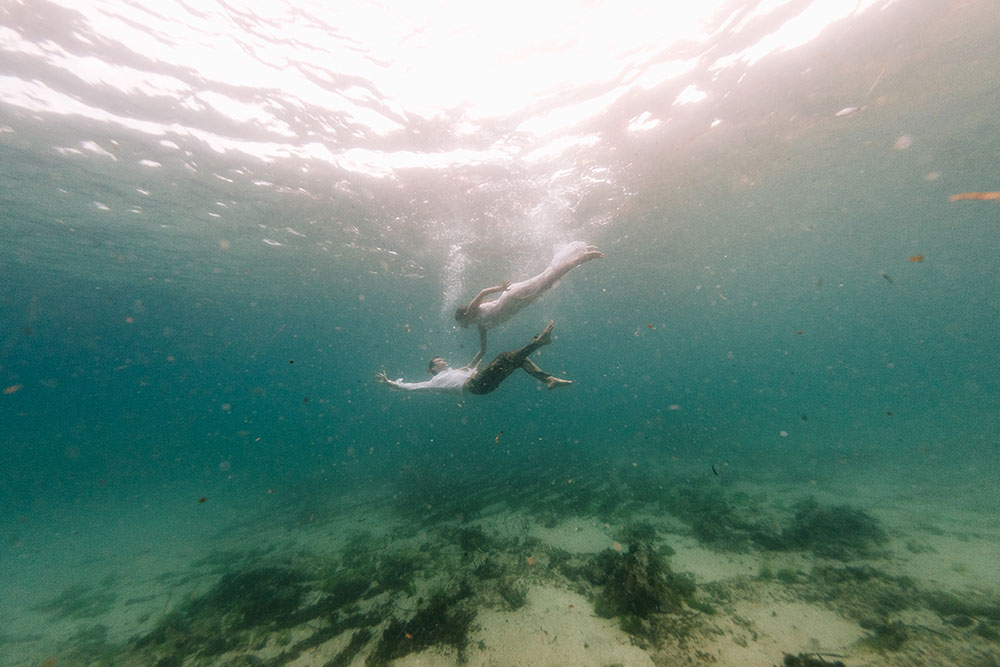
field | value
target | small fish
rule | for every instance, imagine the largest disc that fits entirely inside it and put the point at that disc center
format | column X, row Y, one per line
column 848, row 111
column 886, row 276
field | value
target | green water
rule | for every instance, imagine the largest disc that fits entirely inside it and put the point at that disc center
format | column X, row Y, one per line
column 190, row 333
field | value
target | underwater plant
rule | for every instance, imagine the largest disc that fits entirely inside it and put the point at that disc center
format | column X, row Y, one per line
column 861, row 592
column 887, row 635
column 839, row 532
column 809, row 660
column 638, row 531
column 738, row 523
column 258, row 597
column 79, row 601
column 721, row 521
column 446, row 618
column 637, row 582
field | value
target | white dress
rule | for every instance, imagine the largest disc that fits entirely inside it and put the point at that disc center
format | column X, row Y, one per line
column 450, row 381
column 519, row 295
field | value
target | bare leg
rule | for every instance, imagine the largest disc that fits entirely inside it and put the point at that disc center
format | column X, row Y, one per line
column 590, row 252
column 543, row 338
column 552, row 382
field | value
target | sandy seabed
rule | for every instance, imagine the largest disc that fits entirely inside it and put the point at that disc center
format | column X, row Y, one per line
column 481, row 581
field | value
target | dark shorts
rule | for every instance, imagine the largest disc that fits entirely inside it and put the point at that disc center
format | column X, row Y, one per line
column 488, row 379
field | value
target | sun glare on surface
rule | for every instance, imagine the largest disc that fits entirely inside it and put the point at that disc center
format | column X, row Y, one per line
column 286, row 75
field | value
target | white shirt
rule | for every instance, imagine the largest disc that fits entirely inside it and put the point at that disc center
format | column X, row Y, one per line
column 449, row 381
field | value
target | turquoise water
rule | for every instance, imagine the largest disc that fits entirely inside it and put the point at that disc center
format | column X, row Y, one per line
column 205, row 264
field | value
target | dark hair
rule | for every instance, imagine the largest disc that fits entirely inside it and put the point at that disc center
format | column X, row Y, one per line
column 430, row 364
column 460, row 315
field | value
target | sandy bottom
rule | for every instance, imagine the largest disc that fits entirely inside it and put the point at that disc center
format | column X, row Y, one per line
column 555, row 627
column 85, row 594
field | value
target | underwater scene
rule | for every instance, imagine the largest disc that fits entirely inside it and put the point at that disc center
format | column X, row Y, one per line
column 555, row 334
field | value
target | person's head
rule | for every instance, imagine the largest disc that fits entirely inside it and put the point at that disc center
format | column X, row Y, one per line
column 436, row 365
column 463, row 315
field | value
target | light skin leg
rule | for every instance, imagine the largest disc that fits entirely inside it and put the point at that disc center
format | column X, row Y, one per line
column 545, row 337
column 591, row 252
column 552, row 382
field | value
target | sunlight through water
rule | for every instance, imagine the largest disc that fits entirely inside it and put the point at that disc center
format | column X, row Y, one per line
column 764, row 234
column 366, row 87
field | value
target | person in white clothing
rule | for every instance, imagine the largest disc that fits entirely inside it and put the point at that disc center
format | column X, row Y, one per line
column 469, row 379
column 515, row 296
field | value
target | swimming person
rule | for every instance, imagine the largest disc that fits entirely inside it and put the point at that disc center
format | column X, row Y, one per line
column 514, row 297
column 468, row 379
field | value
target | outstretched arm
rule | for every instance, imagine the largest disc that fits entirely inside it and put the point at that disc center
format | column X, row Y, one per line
column 437, row 383
column 482, row 348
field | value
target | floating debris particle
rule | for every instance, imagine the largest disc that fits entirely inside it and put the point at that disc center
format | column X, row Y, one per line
column 975, row 195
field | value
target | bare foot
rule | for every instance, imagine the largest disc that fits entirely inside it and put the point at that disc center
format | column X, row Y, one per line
column 591, row 252
column 545, row 337
column 555, row 383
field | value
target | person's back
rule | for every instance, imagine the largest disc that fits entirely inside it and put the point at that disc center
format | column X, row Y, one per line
column 490, row 314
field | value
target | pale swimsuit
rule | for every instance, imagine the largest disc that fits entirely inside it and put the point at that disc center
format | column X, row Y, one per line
column 520, row 294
